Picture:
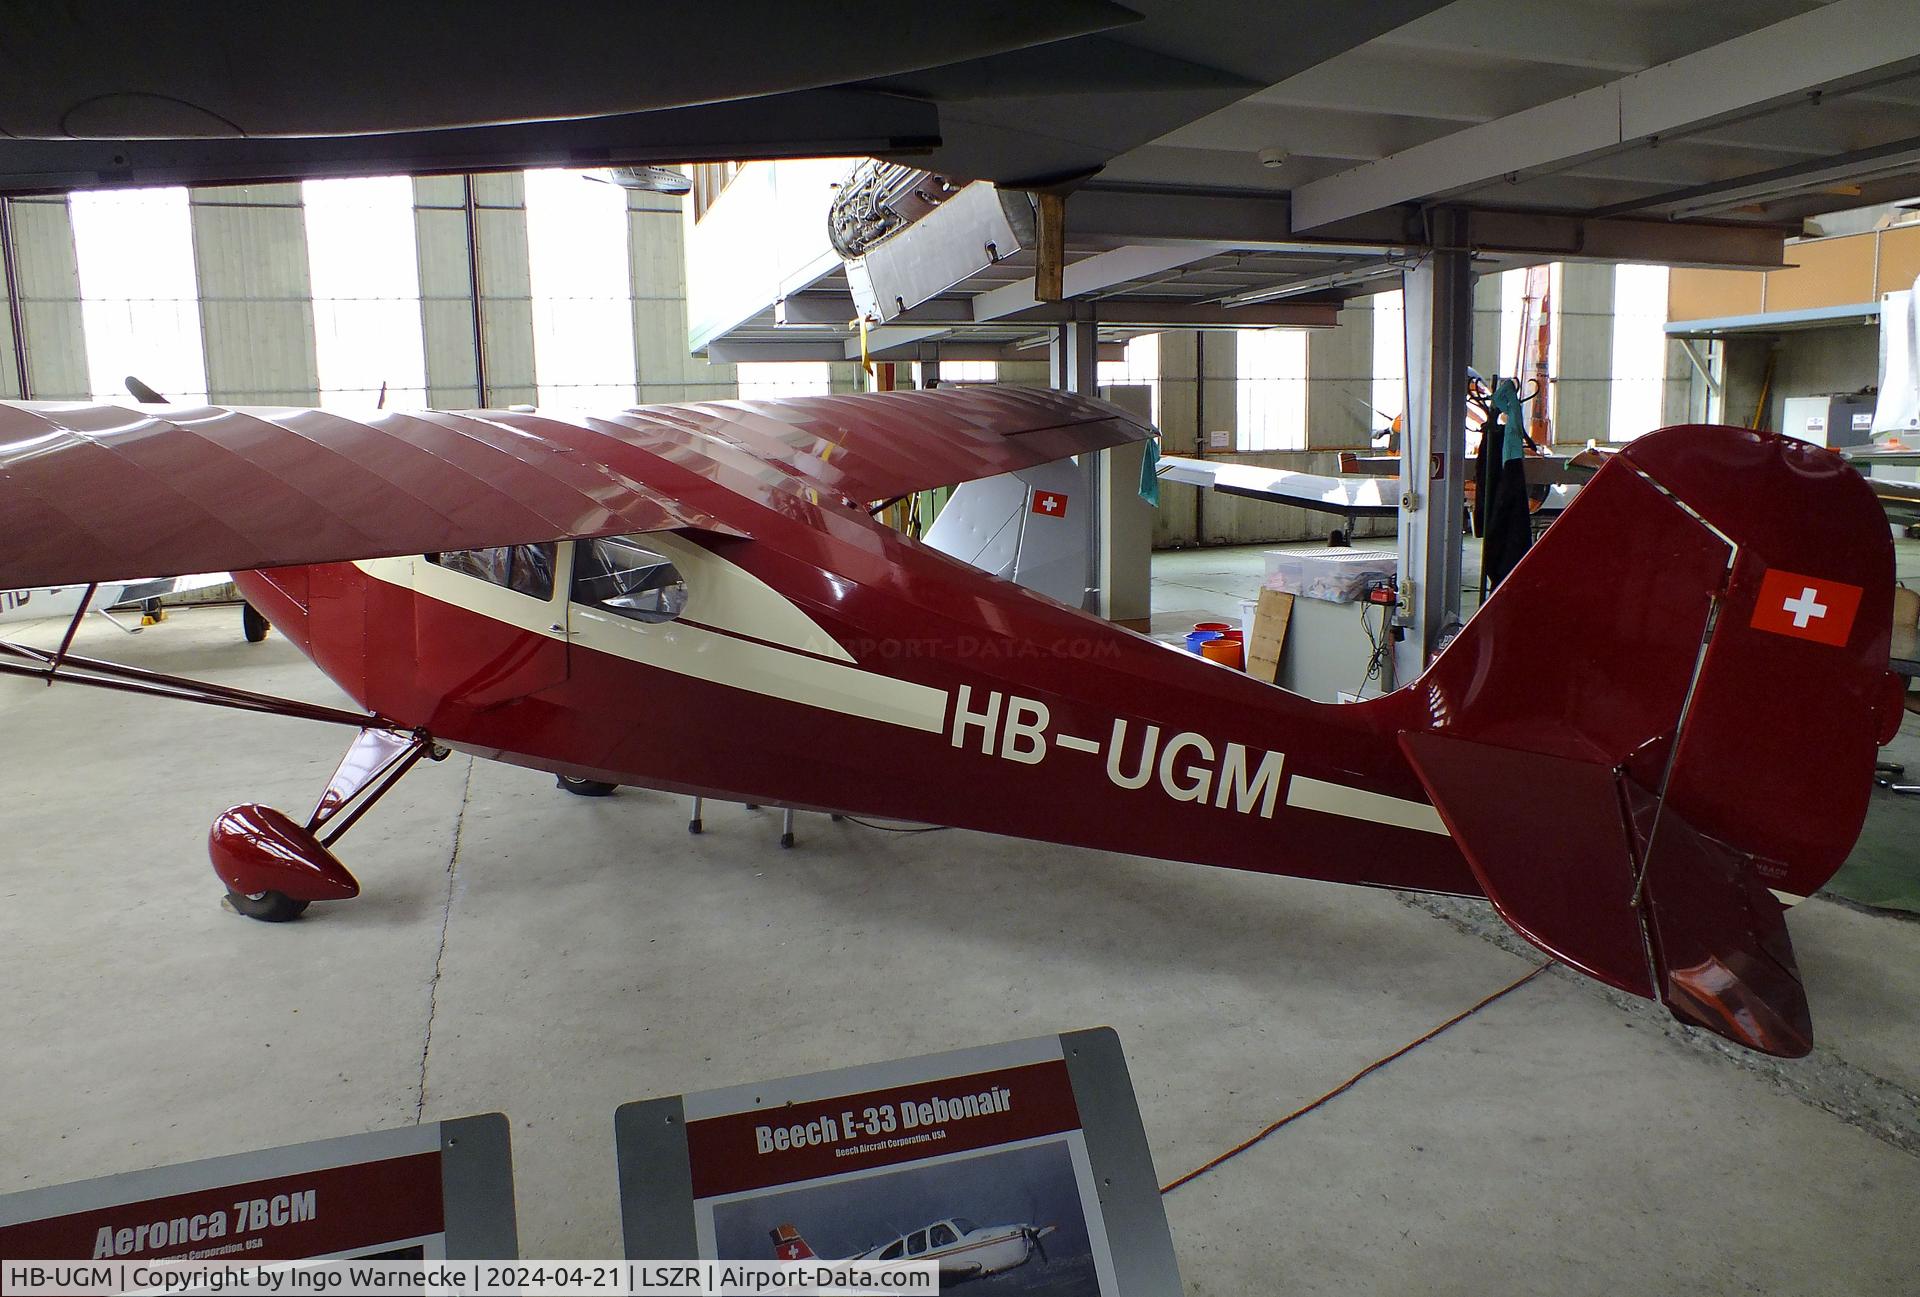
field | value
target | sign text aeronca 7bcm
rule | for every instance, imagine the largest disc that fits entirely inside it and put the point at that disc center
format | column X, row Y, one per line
column 697, row 598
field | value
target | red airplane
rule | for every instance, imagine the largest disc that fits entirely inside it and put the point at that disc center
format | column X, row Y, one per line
column 697, row 598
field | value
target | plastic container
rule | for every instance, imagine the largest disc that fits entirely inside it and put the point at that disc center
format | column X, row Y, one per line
column 1227, row 652
column 1335, row 575
column 1197, row 640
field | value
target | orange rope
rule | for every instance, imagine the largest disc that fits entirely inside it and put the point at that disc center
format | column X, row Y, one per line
column 1353, row 1080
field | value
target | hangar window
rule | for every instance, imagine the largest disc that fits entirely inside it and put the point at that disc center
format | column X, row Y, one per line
column 1638, row 392
column 622, row 576
column 1389, row 357
column 1138, row 366
column 524, row 569
column 363, row 260
column 139, row 303
column 764, row 379
column 1272, row 388
column 954, row 372
column 579, row 265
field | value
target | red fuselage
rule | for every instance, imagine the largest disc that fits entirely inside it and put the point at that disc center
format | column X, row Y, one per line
column 1049, row 723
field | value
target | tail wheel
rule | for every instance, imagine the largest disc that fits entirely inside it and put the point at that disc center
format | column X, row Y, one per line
column 585, row 787
column 252, row 624
column 268, row 907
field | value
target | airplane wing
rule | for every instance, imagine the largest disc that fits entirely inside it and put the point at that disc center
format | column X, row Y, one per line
column 1901, row 500
column 1364, row 497
column 1364, row 494
column 100, row 492
column 1865, row 457
column 875, row 445
column 160, row 588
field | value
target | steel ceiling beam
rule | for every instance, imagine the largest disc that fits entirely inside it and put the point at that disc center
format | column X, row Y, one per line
column 815, row 310
column 733, row 351
column 1849, row 43
column 1264, row 223
column 1095, row 274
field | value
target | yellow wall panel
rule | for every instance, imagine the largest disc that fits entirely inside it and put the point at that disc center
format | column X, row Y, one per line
column 1899, row 258
column 1825, row 272
column 1713, row 294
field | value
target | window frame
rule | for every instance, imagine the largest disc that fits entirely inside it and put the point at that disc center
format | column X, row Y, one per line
column 553, row 547
column 630, row 615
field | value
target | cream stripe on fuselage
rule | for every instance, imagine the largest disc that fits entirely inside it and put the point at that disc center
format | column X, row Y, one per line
column 1360, row 804
column 784, row 659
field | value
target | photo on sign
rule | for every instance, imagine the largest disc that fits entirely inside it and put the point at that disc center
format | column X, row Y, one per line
column 1011, row 1217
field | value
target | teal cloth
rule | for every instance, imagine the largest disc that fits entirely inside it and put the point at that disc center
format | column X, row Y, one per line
column 1506, row 399
column 1149, row 473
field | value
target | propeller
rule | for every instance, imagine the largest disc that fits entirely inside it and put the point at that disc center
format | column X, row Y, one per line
column 1033, row 1237
column 140, row 392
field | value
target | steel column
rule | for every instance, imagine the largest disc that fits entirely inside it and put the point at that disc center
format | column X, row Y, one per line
column 480, row 385
column 1439, row 341
column 16, row 316
column 1074, row 356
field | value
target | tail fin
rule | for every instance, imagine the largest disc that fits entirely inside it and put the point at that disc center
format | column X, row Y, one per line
column 788, row 1245
column 1716, row 605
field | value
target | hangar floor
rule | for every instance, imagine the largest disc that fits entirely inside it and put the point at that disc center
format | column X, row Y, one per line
column 552, row 957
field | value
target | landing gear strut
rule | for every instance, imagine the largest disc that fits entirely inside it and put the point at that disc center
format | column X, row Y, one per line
column 273, row 867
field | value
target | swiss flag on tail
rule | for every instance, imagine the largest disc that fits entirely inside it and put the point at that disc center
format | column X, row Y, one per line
column 1051, row 503
column 1806, row 607
column 788, row 1245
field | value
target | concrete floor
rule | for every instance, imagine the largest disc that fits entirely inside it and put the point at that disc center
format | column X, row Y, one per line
column 521, row 950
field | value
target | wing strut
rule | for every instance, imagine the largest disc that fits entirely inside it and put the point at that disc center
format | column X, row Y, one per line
column 38, row 664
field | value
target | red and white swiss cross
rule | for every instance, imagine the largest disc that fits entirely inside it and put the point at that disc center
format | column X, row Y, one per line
column 1051, row 503
column 1806, row 607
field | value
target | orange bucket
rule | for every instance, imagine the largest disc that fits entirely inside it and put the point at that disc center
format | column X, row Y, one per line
column 1227, row 652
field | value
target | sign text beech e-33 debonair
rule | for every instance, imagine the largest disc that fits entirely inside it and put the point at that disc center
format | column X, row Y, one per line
column 697, row 598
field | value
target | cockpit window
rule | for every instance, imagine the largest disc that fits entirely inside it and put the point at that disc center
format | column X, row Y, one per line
column 940, row 1236
column 916, row 1242
column 524, row 569
column 625, row 578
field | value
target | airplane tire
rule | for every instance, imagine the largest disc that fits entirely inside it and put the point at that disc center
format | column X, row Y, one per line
column 585, row 787
column 252, row 624
column 268, row 907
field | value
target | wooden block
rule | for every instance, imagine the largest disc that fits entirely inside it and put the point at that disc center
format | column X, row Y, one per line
column 1906, row 606
column 1270, row 618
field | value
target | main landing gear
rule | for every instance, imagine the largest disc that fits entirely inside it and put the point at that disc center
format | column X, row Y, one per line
column 273, row 867
column 252, row 624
